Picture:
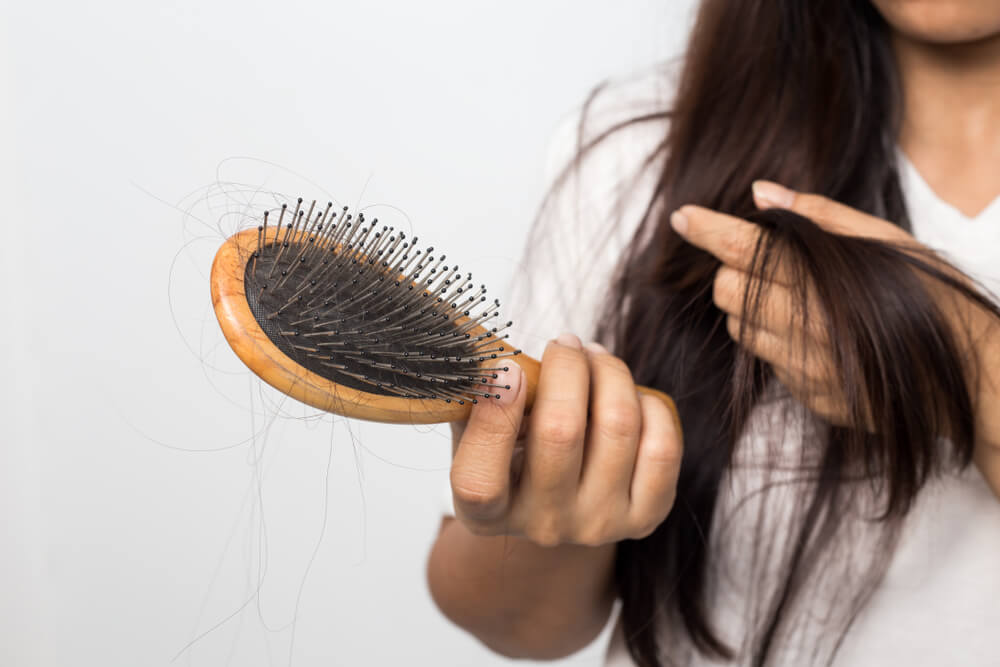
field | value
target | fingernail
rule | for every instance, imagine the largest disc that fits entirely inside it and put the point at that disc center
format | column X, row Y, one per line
column 570, row 340
column 679, row 222
column 509, row 383
column 768, row 195
column 596, row 348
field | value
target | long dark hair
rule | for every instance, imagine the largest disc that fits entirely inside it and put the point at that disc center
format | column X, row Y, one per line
column 804, row 93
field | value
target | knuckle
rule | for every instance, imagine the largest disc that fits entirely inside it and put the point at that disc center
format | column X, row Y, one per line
column 489, row 431
column 733, row 246
column 830, row 409
column 560, row 429
column 545, row 530
column 724, row 288
column 666, row 452
column 719, row 295
column 478, row 496
column 813, row 206
column 646, row 527
column 646, row 523
column 816, row 370
column 618, row 420
column 612, row 362
column 667, row 446
column 594, row 538
column 544, row 538
column 600, row 530
column 799, row 382
column 818, row 332
column 477, row 528
column 733, row 327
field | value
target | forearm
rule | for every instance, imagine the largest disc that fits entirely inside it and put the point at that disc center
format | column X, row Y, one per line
column 518, row 598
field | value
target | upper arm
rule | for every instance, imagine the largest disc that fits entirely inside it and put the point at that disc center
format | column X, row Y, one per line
column 590, row 213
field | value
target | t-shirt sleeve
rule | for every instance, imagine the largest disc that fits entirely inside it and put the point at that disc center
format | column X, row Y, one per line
column 595, row 202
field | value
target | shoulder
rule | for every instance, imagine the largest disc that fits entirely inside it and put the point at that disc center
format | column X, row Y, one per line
column 601, row 174
column 608, row 130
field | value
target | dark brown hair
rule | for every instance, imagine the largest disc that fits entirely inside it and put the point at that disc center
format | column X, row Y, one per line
column 804, row 93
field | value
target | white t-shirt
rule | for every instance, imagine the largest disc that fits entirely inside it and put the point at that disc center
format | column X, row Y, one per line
column 939, row 602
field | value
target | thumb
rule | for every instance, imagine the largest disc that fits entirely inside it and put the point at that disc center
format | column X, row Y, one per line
column 480, row 469
column 830, row 215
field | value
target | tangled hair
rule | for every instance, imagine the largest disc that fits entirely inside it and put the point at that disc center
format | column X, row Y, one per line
column 804, row 93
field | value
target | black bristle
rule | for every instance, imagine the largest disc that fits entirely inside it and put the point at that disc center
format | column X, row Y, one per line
column 367, row 313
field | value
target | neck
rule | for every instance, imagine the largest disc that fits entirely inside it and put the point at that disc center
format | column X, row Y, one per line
column 951, row 119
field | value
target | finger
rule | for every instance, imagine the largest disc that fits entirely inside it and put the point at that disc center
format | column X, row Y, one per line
column 613, row 430
column 760, row 342
column 799, row 385
column 829, row 408
column 480, row 469
column 780, row 309
column 658, row 462
column 730, row 239
column 828, row 214
column 806, row 363
column 554, row 442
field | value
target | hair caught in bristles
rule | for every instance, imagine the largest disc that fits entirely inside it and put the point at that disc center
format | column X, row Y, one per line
column 362, row 306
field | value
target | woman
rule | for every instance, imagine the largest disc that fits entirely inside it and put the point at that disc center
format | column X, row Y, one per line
column 838, row 383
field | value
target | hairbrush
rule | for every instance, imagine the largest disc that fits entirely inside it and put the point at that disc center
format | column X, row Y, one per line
column 351, row 317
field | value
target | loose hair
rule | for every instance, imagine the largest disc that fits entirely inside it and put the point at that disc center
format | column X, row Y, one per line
column 806, row 94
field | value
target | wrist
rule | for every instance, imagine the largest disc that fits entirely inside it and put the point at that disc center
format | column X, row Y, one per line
column 521, row 599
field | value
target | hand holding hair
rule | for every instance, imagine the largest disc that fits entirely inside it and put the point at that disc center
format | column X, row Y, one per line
column 791, row 332
column 800, row 355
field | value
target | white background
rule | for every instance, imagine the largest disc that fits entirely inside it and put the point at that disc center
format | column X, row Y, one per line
column 143, row 498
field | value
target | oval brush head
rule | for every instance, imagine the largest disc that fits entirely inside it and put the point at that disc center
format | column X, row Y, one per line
column 350, row 317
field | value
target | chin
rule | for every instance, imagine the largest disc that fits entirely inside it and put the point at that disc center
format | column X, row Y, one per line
column 942, row 21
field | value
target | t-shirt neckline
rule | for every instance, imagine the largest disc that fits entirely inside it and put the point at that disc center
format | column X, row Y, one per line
column 927, row 193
